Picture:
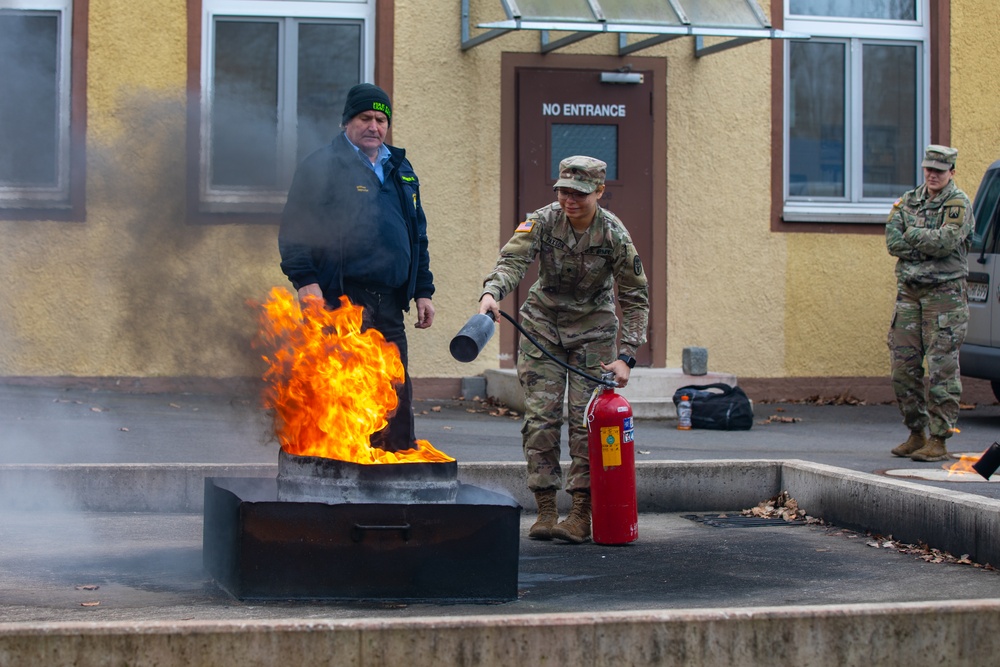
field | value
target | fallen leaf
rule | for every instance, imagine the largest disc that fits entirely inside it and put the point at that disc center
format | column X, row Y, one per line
column 844, row 399
column 124, row 428
column 174, row 405
column 90, row 604
column 96, row 409
column 778, row 419
column 436, row 408
column 643, row 451
column 88, row 587
column 966, row 406
column 447, row 428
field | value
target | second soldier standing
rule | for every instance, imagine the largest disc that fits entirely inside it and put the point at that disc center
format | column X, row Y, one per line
column 928, row 233
column 584, row 251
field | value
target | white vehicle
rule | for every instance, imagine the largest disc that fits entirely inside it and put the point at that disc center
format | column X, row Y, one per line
column 980, row 354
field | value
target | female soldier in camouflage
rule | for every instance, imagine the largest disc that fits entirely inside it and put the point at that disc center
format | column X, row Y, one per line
column 584, row 251
column 928, row 232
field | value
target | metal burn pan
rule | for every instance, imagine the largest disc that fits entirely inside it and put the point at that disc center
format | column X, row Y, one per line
column 313, row 478
column 258, row 547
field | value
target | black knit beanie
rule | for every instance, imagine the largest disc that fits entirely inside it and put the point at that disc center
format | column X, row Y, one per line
column 366, row 97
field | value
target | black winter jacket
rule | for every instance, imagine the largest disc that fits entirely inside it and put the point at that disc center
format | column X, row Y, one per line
column 340, row 225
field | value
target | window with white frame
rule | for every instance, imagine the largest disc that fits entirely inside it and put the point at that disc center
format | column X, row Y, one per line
column 856, row 106
column 275, row 75
column 35, row 103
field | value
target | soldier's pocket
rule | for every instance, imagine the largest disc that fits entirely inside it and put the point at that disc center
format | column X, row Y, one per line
column 528, row 351
column 952, row 327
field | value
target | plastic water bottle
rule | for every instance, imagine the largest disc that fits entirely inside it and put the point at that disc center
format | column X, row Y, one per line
column 684, row 414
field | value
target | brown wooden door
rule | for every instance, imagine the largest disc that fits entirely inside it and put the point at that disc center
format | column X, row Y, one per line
column 563, row 112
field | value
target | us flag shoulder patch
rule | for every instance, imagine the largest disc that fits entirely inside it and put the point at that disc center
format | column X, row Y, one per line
column 525, row 226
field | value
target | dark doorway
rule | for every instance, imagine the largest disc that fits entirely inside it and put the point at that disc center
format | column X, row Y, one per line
column 564, row 108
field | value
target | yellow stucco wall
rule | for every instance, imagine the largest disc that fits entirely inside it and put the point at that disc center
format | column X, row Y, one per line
column 136, row 290
column 975, row 78
column 841, row 288
column 726, row 287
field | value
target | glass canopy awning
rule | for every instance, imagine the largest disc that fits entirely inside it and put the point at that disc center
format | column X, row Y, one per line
column 743, row 21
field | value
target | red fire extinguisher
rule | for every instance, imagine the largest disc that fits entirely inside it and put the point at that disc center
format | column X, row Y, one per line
column 614, row 513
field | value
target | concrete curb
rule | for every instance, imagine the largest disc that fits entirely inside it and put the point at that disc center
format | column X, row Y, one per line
column 953, row 521
column 947, row 633
column 921, row 633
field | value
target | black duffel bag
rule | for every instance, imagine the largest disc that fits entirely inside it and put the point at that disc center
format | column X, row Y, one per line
column 717, row 406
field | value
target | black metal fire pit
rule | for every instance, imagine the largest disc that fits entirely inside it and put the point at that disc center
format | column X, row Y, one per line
column 258, row 545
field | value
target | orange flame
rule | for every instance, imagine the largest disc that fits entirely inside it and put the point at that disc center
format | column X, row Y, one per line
column 331, row 384
column 963, row 466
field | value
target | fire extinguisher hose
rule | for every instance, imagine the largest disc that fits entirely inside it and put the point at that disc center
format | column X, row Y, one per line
column 606, row 383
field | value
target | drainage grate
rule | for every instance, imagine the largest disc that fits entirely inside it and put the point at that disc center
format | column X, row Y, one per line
column 739, row 521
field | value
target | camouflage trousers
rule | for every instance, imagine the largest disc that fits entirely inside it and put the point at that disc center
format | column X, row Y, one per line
column 545, row 384
column 929, row 323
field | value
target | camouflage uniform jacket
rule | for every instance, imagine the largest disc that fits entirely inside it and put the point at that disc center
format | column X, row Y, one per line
column 930, row 236
column 575, row 278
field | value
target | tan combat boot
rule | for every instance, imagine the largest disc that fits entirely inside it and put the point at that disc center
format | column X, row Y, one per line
column 547, row 515
column 934, row 450
column 917, row 440
column 576, row 527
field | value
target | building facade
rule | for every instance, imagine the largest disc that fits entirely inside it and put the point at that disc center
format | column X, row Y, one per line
column 754, row 154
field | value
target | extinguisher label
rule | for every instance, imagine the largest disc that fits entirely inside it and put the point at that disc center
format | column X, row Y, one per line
column 611, row 446
column 627, row 435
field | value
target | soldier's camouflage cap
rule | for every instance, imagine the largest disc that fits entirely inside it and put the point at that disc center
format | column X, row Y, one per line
column 940, row 157
column 582, row 173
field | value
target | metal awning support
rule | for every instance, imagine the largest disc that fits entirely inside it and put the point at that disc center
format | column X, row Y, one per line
column 700, row 50
column 741, row 20
column 467, row 41
column 565, row 41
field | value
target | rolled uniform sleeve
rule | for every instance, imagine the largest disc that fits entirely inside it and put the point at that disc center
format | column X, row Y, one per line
column 633, row 295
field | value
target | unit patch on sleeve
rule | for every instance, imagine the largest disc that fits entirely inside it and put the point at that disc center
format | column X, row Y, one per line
column 955, row 209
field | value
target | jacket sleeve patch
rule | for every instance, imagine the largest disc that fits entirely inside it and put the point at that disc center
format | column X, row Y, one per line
column 525, row 226
column 955, row 209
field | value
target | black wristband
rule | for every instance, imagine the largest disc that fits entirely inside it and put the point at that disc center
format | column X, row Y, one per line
column 627, row 359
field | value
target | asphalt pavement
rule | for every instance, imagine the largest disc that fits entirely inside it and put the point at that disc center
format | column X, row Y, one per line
column 102, row 567
column 52, row 425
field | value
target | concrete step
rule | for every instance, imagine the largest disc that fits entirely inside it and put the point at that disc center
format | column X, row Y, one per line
column 650, row 391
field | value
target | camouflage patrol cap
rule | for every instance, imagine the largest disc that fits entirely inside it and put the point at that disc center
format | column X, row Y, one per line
column 940, row 157
column 582, row 173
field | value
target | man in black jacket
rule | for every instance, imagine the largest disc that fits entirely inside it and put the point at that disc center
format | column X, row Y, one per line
column 353, row 224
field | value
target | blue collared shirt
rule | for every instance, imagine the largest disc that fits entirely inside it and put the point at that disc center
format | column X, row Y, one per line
column 379, row 165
